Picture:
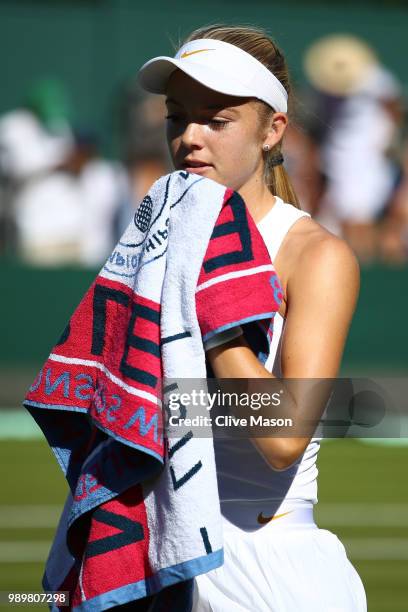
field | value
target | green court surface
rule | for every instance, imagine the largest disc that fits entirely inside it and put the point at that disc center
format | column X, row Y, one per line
column 362, row 492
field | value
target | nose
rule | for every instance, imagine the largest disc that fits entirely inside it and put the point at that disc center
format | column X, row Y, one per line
column 192, row 137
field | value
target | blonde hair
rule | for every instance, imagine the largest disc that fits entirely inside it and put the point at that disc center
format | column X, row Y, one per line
column 256, row 42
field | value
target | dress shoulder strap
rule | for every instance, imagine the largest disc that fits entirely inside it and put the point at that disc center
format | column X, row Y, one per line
column 276, row 224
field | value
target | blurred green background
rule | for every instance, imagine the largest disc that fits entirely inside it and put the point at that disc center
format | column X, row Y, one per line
column 95, row 46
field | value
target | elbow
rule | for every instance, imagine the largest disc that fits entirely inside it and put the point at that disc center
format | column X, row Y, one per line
column 283, row 453
column 281, row 463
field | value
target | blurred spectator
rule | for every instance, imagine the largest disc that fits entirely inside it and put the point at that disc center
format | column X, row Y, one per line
column 34, row 139
column 48, row 220
column 59, row 197
column 67, row 215
column 394, row 228
column 37, row 136
column 358, row 105
column 100, row 185
column 28, row 147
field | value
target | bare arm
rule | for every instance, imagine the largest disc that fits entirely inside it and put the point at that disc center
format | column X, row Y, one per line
column 321, row 298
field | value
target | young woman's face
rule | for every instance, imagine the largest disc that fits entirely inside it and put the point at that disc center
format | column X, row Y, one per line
column 212, row 134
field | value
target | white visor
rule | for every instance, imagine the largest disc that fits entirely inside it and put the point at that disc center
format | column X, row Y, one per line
column 219, row 66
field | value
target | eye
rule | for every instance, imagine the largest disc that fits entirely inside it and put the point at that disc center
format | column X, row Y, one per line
column 218, row 124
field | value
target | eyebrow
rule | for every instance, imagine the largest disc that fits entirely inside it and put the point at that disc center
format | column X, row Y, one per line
column 210, row 107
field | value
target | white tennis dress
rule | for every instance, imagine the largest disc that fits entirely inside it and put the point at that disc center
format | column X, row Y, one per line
column 276, row 558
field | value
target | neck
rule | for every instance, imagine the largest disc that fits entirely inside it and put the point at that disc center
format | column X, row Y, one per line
column 257, row 197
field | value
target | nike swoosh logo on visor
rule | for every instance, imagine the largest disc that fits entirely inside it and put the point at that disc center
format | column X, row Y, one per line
column 262, row 520
column 188, row 53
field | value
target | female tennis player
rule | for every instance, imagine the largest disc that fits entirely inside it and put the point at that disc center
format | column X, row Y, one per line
column 227, row 94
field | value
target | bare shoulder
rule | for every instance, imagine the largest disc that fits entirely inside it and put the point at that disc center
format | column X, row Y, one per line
column 316, row 243
column 319, row 257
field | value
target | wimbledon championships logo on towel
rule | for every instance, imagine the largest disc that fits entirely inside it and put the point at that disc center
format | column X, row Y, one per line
column 143, row 214
column 148, row 243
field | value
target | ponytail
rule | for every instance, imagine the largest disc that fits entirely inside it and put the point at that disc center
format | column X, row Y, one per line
column 277, row 179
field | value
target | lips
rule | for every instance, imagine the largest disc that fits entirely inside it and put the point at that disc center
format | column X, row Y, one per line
column 195, row 166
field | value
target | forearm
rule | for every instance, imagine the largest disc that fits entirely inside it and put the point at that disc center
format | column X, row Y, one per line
column 228, row 362
column 236, row 360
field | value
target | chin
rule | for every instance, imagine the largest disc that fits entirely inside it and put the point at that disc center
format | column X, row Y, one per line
column 210, row 173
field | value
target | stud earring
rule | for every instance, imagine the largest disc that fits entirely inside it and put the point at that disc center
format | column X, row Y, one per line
column 266, row 148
